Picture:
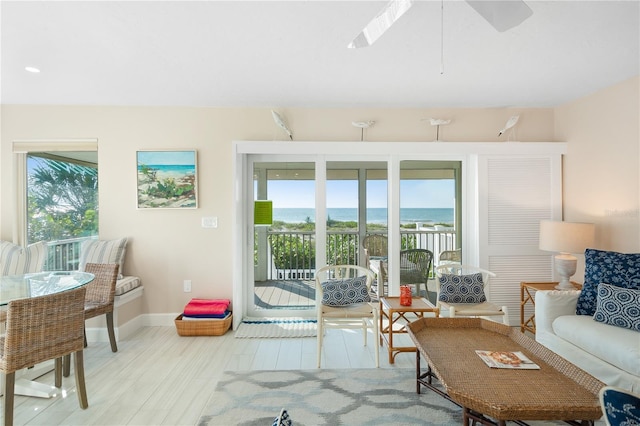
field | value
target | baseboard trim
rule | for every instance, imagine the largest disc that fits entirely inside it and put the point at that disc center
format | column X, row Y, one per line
column 100, row 334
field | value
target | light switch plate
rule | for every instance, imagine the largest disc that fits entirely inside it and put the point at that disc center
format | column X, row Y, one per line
column 210, row 222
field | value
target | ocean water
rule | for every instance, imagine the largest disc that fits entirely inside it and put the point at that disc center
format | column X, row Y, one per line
column 374, row 215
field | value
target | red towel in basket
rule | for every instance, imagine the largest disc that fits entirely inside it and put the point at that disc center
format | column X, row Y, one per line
column 208, row 307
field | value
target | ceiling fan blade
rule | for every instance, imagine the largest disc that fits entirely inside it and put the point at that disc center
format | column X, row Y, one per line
column 502, row 14
column 381, row 23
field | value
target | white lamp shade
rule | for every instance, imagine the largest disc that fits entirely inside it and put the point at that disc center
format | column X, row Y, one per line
column 566, row 237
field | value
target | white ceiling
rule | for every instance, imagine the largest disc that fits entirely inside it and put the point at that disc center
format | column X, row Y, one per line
column 293, row 54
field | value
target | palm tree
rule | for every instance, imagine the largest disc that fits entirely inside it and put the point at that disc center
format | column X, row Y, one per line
column 62, row 200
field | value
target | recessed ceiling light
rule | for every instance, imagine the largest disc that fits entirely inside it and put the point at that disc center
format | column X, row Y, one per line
column 32, row 69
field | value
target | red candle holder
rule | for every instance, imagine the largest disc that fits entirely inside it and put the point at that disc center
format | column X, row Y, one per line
column 405, row 295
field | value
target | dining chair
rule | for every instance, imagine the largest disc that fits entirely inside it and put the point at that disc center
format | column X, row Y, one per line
column 462, row 289
column 619, row 406
column 100, row 300
column 39, row 329
column 343, row 300
column 101, row 295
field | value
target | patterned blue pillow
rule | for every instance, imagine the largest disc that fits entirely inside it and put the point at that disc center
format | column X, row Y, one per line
column 617, row 269
column 462, row 288
column 347, row 291
column 618, row 306
column 620, row 406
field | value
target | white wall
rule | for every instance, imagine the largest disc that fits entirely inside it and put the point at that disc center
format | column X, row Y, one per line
column 168, row 246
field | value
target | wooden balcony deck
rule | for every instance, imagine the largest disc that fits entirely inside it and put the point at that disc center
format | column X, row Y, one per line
column 289, row 294
column 297, row 294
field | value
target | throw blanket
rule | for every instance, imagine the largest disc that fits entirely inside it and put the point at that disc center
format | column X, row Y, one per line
column 207, row 308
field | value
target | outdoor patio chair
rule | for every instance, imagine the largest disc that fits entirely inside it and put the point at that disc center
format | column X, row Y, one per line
column 39, row 329
column 415, row 265
column 450, row 256
column 375, row 252
column 462, row 289
column 375, row 247
column 343, row 300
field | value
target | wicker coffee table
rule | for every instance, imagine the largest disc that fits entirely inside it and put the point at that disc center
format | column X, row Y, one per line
column 557, row 391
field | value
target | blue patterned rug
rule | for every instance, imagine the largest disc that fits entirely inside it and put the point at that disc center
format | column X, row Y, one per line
column 327, row 397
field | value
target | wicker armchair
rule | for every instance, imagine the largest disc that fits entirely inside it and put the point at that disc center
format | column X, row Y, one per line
column 343, row 303
column 39, row 329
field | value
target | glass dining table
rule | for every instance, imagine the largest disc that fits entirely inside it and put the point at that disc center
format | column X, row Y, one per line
column 13, row 287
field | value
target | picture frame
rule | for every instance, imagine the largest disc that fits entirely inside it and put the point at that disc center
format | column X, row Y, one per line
column 167, row 179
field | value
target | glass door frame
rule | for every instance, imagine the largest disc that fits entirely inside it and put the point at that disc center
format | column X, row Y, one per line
column 245, row 153
column 320, row 229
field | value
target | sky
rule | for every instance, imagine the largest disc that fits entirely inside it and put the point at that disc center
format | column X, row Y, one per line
column 166, row 157
column 343, row 194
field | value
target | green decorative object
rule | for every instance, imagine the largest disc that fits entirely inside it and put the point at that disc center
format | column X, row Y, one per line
column 263, row 213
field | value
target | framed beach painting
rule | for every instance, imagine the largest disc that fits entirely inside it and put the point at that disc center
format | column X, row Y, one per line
column 167, row 179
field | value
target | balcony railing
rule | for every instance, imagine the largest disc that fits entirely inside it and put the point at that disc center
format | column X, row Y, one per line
column 292, row 254
column 64, row 255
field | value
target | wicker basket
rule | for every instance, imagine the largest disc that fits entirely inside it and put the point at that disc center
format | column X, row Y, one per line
column 212, row 327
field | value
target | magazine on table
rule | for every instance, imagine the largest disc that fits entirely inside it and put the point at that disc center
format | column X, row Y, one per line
column 506, row 359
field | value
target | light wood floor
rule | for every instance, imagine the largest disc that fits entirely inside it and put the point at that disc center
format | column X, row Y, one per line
column 160, row 378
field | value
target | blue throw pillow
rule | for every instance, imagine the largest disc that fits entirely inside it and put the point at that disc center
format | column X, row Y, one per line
column 618, row 306
column 347, row 291
column 620, row 406
column 617, row 269
column 462, row 288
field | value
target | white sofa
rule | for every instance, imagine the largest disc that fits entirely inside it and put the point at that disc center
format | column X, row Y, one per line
column 609, row 353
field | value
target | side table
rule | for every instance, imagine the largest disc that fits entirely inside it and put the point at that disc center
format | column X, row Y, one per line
column 527, row 296
column 392, row 310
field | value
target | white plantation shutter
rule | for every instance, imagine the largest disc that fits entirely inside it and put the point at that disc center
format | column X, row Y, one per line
column 515, row 194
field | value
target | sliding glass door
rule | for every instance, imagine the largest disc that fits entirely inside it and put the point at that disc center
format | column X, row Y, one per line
column 298, row 236
column 283, row 238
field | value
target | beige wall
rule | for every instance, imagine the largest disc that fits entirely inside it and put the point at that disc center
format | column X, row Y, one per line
column 168, row 246
column 601, row 168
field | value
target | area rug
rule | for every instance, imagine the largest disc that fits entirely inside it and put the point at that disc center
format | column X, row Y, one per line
column 276, row 327
column 327, row 397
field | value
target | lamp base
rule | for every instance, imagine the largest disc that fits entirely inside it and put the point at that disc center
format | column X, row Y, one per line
column 561, row 286
column 565, row 267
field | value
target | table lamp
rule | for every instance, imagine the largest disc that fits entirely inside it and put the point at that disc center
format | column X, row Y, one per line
column 566, row 238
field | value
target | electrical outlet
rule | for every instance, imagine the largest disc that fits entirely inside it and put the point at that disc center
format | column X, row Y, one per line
column 187, row 286
column 210, row 222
